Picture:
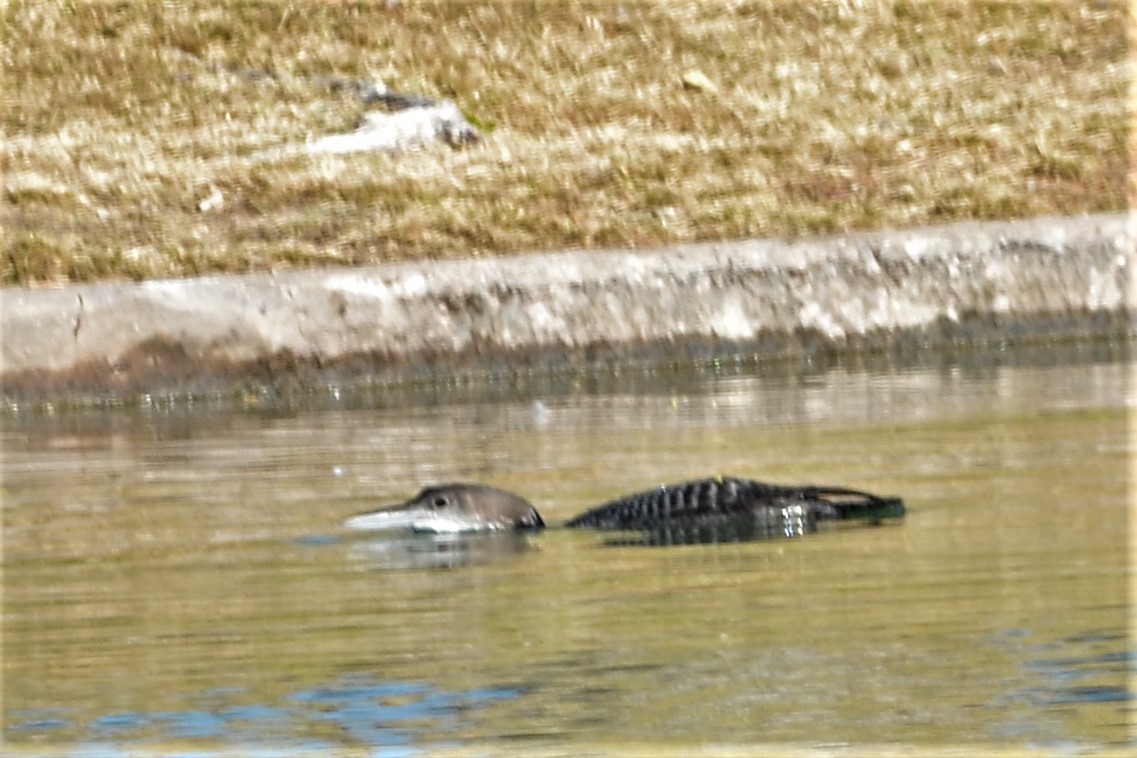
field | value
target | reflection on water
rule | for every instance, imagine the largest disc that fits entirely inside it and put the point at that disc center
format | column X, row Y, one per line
column 177, row 574
column 385, row 551
column 357, row 709
column 726, row 530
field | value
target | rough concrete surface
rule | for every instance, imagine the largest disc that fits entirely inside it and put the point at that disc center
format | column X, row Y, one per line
column 1062, row 278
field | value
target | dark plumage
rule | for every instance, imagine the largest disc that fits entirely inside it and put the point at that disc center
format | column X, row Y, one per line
column 709, row 501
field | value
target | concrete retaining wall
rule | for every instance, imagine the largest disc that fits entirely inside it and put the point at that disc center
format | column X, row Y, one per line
column 1047, row 277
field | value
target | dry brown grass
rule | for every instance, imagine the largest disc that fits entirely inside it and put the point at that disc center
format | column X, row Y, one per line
column 827, row 117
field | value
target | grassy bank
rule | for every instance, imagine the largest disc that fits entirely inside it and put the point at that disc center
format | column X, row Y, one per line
column 129, row 146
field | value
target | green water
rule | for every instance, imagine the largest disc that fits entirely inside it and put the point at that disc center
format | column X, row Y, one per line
column 176, row 575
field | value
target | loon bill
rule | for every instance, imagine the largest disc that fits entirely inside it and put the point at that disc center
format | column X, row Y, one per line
column 766, row 508
column 451, row 508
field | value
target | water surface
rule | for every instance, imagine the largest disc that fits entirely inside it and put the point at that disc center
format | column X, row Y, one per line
column 175, row 575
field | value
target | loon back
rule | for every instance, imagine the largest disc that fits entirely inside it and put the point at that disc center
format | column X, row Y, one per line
column 771, row 508
column 454, row 508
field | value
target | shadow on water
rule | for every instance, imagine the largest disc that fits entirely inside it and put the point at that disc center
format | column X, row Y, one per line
column 175, row 576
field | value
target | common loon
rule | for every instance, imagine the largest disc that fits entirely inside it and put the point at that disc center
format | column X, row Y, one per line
column 698, row 510
column 454, row 508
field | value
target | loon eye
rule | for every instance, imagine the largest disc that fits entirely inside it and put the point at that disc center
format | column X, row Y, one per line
column 440, row 502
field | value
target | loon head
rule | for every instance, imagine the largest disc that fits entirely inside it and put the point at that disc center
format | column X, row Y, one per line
column 454, row 508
